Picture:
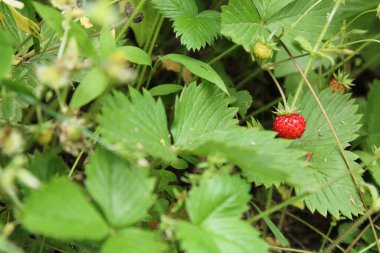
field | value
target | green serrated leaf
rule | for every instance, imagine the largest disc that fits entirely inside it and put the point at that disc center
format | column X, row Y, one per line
column 197, row 31
column 134, row 240
column 122, row 192
column 215, row 208
column 199, row 111
column 174, row 8
column 198, row 68
column 92, row 86
column 61, row 210
column 340, row 196
column 137, row 124
column 251, row 150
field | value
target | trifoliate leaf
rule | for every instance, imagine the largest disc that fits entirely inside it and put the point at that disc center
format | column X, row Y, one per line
column 123, row 193
column 61, row 210
column 340, row 196
column 215, row 208
column 136, row 125
column 245, row 21
column 134, row 240
column 199, row 111
column 251, row 150
column 195, row 29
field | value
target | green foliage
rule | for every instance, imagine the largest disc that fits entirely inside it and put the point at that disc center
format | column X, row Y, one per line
column 245, row 21
column 138, row 144
column 165, row 89
column 340, row 196
column 46, row 165
column 215, row 208
column 7, row 246
column 135, row 55
column 196, row 115
column 51, row 16
column 195, row 29
column 60, row 210
column 372, row 117
column 133, row 240
column 123, row 193
column 251, row 150
column 137, row 124
column 199, row 68
column 92, row 86
column 6, row 54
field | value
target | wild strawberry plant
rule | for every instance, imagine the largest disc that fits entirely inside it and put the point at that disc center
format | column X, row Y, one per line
column 189, row 126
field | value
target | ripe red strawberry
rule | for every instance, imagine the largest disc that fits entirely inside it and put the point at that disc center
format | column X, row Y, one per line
column 289, row 126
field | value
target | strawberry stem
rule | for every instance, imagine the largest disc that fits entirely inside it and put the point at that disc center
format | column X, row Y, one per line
column 279, row 89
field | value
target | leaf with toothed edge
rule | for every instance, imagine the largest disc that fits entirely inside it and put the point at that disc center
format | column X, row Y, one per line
column 341, row 196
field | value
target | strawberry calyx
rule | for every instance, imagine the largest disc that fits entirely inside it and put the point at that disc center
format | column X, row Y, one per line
column 341, row 79
column 285, row 109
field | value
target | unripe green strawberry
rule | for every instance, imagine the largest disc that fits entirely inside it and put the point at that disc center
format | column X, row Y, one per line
column 262, row 50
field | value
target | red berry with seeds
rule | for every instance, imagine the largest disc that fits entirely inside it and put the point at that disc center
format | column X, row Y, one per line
column 289, row 126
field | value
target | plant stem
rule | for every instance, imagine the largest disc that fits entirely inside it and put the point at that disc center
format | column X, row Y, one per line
column 290, row 249
column 351, row 229
column 228, row 51
column 315, row 49
column 129, row 21
column 42, row 244
column 150, row 51
column 324, row 238
column 75, row 164
column 279, row 89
